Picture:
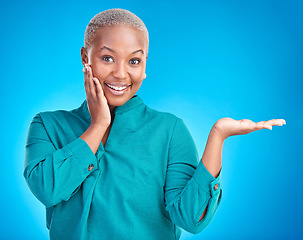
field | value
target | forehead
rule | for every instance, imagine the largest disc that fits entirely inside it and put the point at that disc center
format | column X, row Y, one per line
column 120, row 36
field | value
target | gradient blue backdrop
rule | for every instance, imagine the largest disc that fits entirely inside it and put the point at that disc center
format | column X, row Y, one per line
column 207, row 60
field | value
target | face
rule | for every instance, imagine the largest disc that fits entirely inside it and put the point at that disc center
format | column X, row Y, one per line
column 117, row 56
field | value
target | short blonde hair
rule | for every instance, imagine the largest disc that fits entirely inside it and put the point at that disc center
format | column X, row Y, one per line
column 115, row 16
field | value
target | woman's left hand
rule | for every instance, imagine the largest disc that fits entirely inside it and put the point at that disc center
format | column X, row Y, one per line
column 229, row 127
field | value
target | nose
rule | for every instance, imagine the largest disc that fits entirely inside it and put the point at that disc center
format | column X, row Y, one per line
column 120, row 71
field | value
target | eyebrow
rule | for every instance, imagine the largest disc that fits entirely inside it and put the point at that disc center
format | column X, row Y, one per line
column 104, row 47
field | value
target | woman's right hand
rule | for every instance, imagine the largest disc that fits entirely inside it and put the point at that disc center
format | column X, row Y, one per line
column 96, row 101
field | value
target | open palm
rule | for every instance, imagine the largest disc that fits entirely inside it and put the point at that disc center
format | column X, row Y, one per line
column 229, row 127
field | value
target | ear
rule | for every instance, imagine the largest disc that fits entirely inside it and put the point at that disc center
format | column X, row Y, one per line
column 84, row 56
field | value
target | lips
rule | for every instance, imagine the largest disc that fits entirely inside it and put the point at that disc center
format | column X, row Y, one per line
column 117, row 84
column 115, row 90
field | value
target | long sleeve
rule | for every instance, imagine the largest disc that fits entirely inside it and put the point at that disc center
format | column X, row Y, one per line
column 54, row 175
column 189, row 186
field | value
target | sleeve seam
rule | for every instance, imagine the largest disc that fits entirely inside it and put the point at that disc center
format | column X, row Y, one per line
column 208, row 192
column 184, row 189
column 46, row 130
column 71, row 151
column 171, row 137
column 180, row 195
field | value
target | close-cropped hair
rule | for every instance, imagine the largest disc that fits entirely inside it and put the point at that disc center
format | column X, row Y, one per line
column 110, row 17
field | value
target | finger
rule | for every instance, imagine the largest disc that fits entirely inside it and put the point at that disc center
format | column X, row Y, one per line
column 91, row 83
column 99, row 90
column 275, row 122
column 262, row 125
column 279, row 122
column 86, row 82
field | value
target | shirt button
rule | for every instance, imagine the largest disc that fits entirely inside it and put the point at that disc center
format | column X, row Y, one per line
column 90, row 167
column 216, row 187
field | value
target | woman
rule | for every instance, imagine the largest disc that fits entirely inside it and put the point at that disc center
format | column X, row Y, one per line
column 115, row 168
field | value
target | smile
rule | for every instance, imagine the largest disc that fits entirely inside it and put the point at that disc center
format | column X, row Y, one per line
column 118, row 91
column 116, row 88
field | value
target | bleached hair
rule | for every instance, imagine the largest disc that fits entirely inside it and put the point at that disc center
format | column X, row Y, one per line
column 115, row 16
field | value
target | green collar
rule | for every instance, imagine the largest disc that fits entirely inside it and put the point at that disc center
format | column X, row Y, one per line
column 135, row 101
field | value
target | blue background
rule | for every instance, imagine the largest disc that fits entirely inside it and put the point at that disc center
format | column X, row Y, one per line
column 207, row 60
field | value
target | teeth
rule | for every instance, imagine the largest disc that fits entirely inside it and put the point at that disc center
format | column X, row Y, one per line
column 116, row 88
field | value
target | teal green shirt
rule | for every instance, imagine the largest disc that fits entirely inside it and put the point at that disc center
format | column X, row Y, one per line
column 146, row 183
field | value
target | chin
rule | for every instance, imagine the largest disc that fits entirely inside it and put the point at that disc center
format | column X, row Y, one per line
column 118, row 100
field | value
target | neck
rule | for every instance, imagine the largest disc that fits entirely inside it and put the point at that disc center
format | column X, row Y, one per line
column 112, row 109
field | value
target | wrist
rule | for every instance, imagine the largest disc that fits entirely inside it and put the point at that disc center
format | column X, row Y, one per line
column 217, row 133
column 100, row 127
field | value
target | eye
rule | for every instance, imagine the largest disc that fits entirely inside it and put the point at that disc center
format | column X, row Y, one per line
column 107, row 58
column 135, row 61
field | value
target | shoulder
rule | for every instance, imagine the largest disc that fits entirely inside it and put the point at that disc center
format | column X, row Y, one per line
column 162, row 121
column 56, row 116
column 61, row 126
column 161, row 116
column 169, row 121
column 60, row 117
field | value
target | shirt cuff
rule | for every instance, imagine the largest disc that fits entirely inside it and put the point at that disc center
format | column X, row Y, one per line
column 206, row 180
column 85, row 156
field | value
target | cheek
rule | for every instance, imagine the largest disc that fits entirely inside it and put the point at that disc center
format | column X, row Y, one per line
column 100, row 71
column 136, row 78
column 137, row 75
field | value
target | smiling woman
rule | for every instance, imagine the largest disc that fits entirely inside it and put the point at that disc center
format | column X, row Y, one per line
column 114, row 168
column 117, row 56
